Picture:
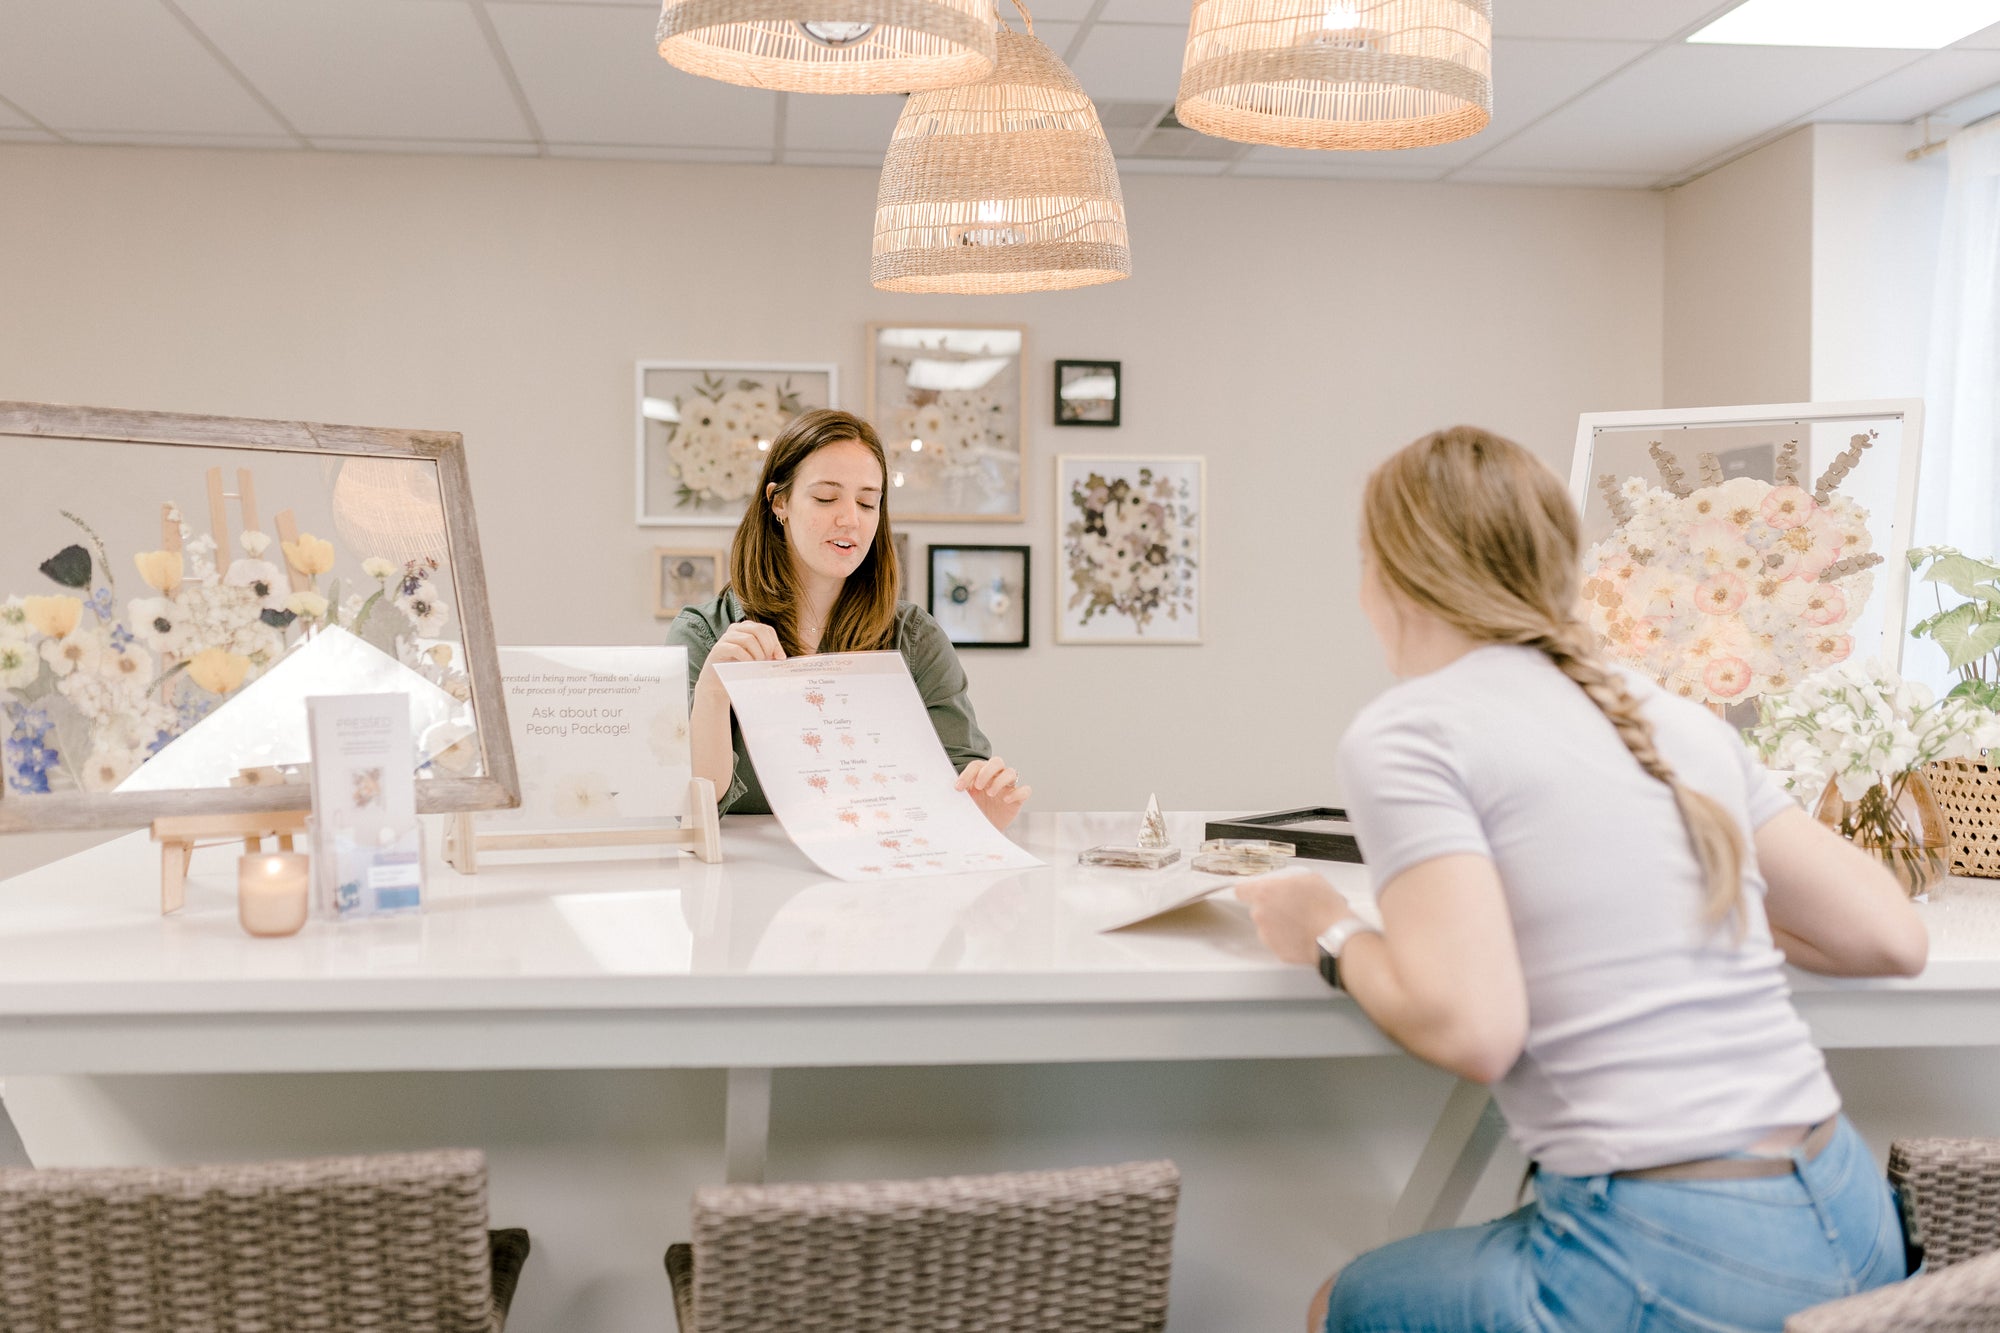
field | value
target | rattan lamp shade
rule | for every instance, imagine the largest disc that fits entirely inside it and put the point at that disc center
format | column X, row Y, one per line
column 831, row 46
column 1352, row 74
column 390, row 507
column 1005, row 185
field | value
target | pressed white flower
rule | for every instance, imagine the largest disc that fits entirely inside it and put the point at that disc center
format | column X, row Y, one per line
column 157, row 623
column 264, row 580
column 255, row 543
column 426, row 610
column 18, row 663
column 129, row 666
column 13, row 616
column 379, row 568
column 76, row 651
column 580, row 794
column 107, row 767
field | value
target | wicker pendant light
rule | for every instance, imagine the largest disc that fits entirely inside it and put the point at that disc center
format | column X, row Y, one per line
column 831, row 46
column 1354, row 74
column 1004, row 185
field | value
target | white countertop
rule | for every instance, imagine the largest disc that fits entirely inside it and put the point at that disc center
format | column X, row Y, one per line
column 760, row 959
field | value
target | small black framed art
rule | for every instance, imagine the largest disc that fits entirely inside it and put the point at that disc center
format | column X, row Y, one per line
column 979, row 595
column 1089, row 393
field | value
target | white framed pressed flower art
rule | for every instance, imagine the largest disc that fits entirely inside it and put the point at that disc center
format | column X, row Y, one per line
column 949, row 403
column 705, row 428
column 1129, row 534
column 1731, row 552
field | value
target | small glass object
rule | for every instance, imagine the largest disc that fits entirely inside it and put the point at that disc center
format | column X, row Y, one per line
column 1133, row 858
column 271, row 892
column 1242, row 856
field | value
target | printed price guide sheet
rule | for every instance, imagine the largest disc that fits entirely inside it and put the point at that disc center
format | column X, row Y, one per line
column 854, row 772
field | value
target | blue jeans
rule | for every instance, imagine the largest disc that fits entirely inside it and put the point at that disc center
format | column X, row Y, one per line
column 1597, row 1254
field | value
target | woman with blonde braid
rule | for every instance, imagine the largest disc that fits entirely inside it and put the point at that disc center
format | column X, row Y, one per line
column 1588, row 892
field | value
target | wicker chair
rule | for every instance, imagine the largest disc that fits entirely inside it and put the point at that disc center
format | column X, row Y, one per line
column 1079, row 1251
column 395, row 1244
column 1951, row 1205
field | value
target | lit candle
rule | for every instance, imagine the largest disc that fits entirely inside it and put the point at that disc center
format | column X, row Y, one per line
column 271, row 892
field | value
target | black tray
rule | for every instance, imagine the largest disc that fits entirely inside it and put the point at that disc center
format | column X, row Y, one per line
column 1304, row 829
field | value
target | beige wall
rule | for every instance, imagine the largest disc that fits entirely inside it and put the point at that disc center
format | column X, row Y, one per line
column 1289, row 331
column 1739, row 277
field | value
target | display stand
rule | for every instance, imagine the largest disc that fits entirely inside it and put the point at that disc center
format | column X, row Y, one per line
column 179, row 835
column 702, row 834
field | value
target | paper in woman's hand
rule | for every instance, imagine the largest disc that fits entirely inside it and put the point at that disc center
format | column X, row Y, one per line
column 854, row 771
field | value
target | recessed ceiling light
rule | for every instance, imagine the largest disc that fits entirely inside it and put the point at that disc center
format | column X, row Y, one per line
column 1924, row 25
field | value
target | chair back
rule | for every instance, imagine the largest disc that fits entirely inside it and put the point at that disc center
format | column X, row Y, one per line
column 344, row 1244
column 1950, row 1190
column 1075, row 1251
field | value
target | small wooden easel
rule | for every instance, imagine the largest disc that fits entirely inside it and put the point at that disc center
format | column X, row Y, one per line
column 702, row 835
column 178, row 835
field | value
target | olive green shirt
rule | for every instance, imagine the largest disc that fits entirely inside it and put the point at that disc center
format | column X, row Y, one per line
column 921, row 640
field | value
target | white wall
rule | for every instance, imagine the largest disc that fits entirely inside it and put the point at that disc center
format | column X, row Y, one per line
column 1876, row 218
column 1292, row 332
column 1738, row 301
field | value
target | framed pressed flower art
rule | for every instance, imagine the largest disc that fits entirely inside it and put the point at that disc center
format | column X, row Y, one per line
column 979, row 595
column 949, row 403
column 173, row 588
column 704, row 429
column 686, row 578
column 1732, row 551
column 1129, row 533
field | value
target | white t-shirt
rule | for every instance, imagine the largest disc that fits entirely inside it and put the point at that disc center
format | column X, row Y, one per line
column 1651, row 1038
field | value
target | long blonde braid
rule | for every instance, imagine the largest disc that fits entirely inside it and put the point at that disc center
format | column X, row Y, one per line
column 1479, row 532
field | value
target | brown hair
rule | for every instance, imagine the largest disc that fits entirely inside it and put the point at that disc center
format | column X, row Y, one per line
column 761, row 572
column 1480, row 533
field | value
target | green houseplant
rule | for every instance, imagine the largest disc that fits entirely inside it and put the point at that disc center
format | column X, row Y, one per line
column 1967, row 789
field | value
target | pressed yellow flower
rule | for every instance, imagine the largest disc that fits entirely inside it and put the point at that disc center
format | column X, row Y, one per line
column 376, row 567
column 306, row 605
column 162, row 570
column 218, row 671
column 54, row 616
column 311, row 556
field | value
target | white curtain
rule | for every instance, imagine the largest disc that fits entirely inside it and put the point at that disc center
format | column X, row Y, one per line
column 1958, row 500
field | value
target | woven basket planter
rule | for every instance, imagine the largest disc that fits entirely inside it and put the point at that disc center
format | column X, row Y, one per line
column 1968, row 791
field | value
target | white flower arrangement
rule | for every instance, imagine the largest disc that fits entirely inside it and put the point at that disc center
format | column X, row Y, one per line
column 718, row 446
column 949, row 433
column 1860, row 726
column 1734, row 589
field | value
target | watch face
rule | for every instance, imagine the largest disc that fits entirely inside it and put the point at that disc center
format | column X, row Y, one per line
column 1329, row 968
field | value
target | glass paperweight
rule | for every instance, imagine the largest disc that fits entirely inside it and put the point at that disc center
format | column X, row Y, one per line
column 1242, row 856
column 1134, row 858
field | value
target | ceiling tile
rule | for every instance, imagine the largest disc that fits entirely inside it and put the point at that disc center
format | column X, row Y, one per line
column 1602, row 180
column 650, row 153
column 119, row 65
column 1173, row 12
column 416, row 69
column 1632, row 20
column 1936, row 81
column 1131, row 62
column 1530, row 79
column 180, row 139
column 1170, row 166
column 829, row 122
column 593, row 75
column 1683, row 105
column 810, row 157
column 1326, row 166
column 448, row 147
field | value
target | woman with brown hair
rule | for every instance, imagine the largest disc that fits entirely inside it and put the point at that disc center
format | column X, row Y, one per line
column 1588, row 893
column 813, row 570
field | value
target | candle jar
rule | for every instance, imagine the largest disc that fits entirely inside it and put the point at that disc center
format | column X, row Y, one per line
column 271, row 892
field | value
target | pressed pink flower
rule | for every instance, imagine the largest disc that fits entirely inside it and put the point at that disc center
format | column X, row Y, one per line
column 851, row 819
column 1833, row 648
column 1720, row 595
column 1825, row 605
column 1787, row 507
column 817, row 782
column 813, row 741
column 1726, row 677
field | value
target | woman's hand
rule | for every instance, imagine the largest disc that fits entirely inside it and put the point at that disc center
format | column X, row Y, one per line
column 996, row 789
column 745, row 641
column 1292, row 909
